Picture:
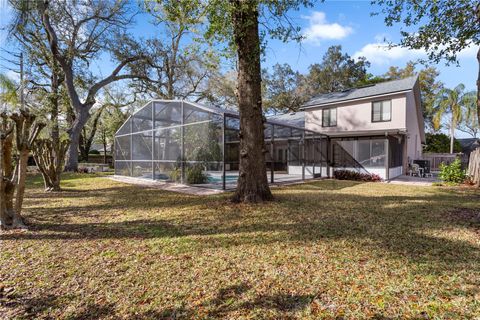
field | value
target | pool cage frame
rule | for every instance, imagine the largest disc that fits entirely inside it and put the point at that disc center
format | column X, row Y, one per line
column 310, row 154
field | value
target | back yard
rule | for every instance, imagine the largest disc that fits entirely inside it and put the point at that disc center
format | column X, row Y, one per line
column 326, row 249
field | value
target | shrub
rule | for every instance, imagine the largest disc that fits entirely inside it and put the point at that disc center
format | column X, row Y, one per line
column 176, row 174
column 356, row 176
column 82, row 170
column 195, row 174
column 453, row 172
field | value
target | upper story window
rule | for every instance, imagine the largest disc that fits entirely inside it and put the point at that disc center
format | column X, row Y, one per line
column 329, row 117
column 382, row 111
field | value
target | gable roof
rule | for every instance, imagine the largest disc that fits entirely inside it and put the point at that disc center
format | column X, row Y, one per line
column 388, row 87
column 469, row 144
column 296, row 119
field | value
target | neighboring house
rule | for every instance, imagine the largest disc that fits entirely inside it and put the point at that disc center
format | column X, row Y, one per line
column 377, row 128
column 99, row 147
column 468, row 145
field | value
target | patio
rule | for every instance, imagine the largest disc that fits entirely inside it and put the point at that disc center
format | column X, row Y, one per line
column 414, row 180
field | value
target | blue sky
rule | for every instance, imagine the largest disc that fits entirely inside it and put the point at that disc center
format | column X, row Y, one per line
column 347, row 23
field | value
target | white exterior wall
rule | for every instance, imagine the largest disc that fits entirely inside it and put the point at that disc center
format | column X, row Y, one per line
column 308, row 170
column 395, row 172
column 382, row 173
column 414, row 136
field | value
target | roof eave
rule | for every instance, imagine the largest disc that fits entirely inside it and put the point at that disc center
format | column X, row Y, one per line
column 328, row 104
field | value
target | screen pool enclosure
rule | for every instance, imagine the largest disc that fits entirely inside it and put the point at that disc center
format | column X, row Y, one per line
column 185, row 142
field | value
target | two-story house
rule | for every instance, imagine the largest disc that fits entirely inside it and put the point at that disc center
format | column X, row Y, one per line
column 377, row 128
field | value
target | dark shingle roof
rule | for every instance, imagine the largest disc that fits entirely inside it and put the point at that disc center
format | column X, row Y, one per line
column 469, row 144
column 363, row 92
column 296, row 119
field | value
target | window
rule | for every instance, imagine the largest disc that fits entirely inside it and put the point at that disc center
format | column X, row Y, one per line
column 382, row 111
column 329, row 117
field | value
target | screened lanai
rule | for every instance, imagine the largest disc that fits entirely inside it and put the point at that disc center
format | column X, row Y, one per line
column 185, row 142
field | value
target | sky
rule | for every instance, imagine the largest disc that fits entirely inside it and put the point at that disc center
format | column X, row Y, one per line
column 345, row 23
column 350, row 24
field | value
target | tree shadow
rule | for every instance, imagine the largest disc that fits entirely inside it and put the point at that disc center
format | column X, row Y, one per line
column 231, row 299
column 27, row 307
column 398, row 224
column 93, row 311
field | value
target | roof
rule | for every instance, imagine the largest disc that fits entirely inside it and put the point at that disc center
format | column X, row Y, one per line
column 99, row 147
column 388, row 87
column 282, row 120
column 296, row 119
column 469, row 144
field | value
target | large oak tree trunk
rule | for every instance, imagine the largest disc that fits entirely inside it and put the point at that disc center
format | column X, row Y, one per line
column 252, row 181
column 81, row 119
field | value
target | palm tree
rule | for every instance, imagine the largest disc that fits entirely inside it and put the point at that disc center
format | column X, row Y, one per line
column 470, row 116
column 8, row 92
column 450, row 101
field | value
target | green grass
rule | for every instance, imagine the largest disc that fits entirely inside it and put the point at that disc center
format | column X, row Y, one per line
column 323, row 250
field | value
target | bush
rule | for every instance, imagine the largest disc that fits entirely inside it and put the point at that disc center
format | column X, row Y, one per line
column 176, row 174
column 356, row 176
column 453, row 172
column 195, row 175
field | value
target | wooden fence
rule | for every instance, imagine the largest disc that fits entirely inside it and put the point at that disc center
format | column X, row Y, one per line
column 447, row 158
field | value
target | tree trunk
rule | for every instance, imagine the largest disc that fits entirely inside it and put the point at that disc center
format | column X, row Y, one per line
column 49, row 158
column 105, row 152
column 478, row 78
column 49, row 154
column 74, row 135
column 22, row 175
column 474, row 167
column 452, row 135
column 5, row 170
column 82, row 145
column 252, row 181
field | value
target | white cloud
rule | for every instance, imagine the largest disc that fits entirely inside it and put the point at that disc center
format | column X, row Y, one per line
column 380, row 53
column 469, row 52
column 319, row 29
column 15, row 76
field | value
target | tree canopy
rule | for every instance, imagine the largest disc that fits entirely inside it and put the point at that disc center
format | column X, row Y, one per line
column 442, row 28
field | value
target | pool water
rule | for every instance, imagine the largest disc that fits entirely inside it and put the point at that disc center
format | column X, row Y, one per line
column 219, row 178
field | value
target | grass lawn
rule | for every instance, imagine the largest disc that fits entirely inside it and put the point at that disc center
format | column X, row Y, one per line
column 322, row 250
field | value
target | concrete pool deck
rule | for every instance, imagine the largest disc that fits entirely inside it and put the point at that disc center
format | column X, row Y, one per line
column 206, row 189
column 168, row 186
column 414, row 181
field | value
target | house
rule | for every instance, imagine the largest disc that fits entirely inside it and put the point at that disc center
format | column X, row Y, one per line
column 468, row 145
column 181, row 141
column 376, row 128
